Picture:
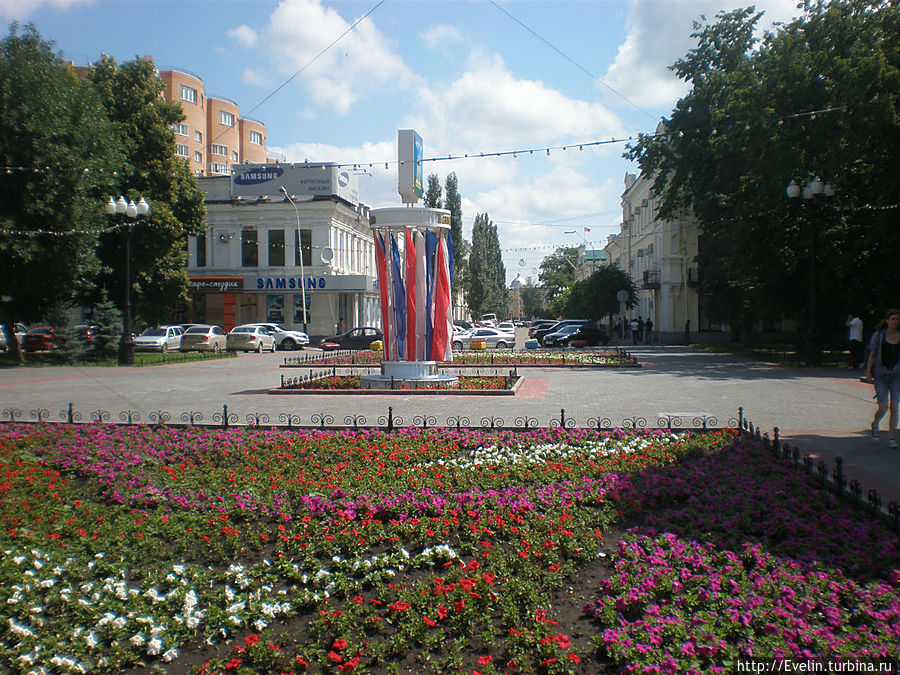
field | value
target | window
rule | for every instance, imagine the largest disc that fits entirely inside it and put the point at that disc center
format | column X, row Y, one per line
column 306, row 239
column 198, row 157
column 219, row 149
column 226, row 118
column 234, row 156
column 219, row 168
column 298, row 309
column 201, row 250
column 181, row 150
column 198, row 137
column 249, row 247
column 256, row 138
column 180, row 129
column 188, row 94
column 276, row 248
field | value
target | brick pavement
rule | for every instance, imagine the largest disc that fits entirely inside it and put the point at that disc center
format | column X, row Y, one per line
column 824, row 412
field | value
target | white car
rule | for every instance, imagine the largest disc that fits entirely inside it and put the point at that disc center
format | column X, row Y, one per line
column 20, row 331
column 284, row 338
column 507, row 327
column 159, row 339
column 249, row 338
column 494, row 338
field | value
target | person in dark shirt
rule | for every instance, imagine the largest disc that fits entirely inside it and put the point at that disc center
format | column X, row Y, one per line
column 883, row 370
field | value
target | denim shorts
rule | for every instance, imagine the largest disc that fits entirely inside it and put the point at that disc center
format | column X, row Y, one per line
column 887, row 385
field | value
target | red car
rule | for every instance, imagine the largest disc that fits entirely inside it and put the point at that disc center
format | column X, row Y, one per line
column 39, row 339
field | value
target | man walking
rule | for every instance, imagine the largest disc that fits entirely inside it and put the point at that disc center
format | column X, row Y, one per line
column 855, row 340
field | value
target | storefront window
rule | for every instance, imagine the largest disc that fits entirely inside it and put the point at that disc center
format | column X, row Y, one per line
column 298, row 309
column 306, row 241
column 276, row 248
column 249, row 248
column 275, row 308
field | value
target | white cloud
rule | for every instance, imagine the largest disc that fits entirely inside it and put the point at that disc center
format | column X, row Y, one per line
column 658, row 34
column 337, row 78
column 440, row 37
column 21, row 9
column 243, row 35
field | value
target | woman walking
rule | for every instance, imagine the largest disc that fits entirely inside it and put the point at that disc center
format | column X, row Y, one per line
column 883, row 370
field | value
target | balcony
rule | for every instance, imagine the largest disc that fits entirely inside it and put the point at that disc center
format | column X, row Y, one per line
column 651, row 279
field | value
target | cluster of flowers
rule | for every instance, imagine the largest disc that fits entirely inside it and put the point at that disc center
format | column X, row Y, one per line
column 422, row 549
column 500, row 357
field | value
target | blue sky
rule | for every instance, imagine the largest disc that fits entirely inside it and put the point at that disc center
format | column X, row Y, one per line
column 473, row 76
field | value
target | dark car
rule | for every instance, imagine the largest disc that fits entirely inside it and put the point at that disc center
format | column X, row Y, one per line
column 39, row 339
column 561, row 337
column 539, row 324
column 355, row 338
column 541, row 332
column 590, row 334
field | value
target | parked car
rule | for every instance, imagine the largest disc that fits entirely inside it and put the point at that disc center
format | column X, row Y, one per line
column 496, row 339
column 39, row 339
column 355, row 338
column 86, row 333
column 561, row 337
column 203, row 338
column 19, row 330
column 591, row 334
column 541, row 332
column 159, row 339
column 284, row 338
column 249, row 338
column 539, row 324
column 507, row 327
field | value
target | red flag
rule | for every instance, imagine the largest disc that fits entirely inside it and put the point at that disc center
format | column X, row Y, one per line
column 587, row 229
column 381, row 264
column 440, row 341
column 410, row 254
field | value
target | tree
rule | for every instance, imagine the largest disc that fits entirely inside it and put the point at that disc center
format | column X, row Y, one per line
column 558, row 271
column 55, row 132
column 532, row 299
column 132, row 94
column 433, row 192
column 453, row 203
column 595, row 297
column 820, row 96
column 486, row 291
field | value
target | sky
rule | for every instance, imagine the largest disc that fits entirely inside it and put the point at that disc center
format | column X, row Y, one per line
column 333, row 81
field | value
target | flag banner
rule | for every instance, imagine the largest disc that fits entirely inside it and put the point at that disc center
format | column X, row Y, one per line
column 398, row 300
column 421, row 307
column 431, row 243
column 384, row 293
column 587, row 229
column 443, row 335
column 409, row 252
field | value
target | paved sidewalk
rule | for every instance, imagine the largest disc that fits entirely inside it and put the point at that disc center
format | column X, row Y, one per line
column 824, row 412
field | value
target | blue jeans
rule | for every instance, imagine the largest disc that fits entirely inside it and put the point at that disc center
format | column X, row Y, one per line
column 887, row 387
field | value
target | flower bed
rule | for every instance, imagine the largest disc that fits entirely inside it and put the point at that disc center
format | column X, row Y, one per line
column 493, row 357
column 345, row 383
column 424, row 550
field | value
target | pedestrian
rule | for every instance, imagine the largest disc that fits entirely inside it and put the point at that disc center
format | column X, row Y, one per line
column 883, row 370
column 340, row 325
column 640, row 329
column 648, row 331
column 634, row 331
column 855, row 340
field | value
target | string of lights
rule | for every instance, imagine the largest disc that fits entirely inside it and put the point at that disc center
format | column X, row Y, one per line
column 543, row 150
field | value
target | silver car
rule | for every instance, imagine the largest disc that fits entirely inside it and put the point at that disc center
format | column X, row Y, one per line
column 285, row 339
column 159, row 339
column 249, row 338
column 203, row 338
column 494, row 338
column 20, row 331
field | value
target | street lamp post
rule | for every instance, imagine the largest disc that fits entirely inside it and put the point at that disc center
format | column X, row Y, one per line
column 815, row 190
column 126, row 214
column 299, row 256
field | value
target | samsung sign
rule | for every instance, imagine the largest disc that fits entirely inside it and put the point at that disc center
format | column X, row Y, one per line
column 300, row 180
column 345, row 282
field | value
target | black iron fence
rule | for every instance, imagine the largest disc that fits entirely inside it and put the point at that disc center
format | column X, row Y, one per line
column 304, row 381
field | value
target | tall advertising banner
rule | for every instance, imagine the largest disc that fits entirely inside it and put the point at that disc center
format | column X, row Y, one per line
column 410, row 172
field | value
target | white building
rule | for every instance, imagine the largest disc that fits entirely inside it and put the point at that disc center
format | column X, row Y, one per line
column 246, row 268
column 661, row 258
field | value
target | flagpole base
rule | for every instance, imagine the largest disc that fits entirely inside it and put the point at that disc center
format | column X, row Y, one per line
column 408, row 375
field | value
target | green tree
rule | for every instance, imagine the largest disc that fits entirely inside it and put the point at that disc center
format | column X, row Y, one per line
column 56, row 135
column 433, row 192
column 453, row 203
column 558, row 271
column 132, row 94
column 532, row 299
column 820, row 96
column 486, row 291
column 595, row 297
column 109, row 327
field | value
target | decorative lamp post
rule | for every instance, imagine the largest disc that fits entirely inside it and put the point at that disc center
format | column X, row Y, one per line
column 125, row 214
column 299, row 255
column 814, row 191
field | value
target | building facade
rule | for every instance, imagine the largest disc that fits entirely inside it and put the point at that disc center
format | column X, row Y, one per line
column 247, row 267
column 660, row 256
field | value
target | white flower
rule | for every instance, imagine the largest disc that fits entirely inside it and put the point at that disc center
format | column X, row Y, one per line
column 19, row 559
column 169, row 655
column 190, row 600
column 179, row 569
column 91, row 640
column 154, row 647
column 20, row 629
column 192, row 622
column 236, row 607
column 260, row 624
column 137, row 640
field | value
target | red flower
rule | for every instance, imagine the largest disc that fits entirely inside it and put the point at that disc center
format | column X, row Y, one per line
column 334, row 656
column 231, row 665
column 485, row 660
column 251, row 639
column 351, row 663
column 574, row 658
column 400, row 606
column 548, row 661
column 339, row 644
